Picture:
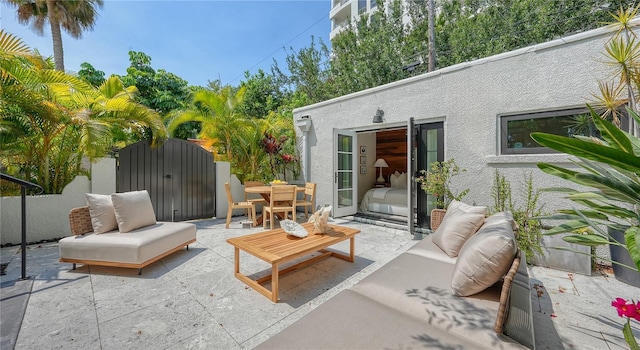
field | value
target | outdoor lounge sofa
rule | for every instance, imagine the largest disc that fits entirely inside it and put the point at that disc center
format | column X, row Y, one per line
column 134, row 240
column 410, row 302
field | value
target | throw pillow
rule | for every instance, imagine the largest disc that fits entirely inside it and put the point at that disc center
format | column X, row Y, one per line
column 459, row 223
column 484, row 259
column 402, row 181
column 103, row 217
column 500, row 217
column 133, row 210
column 393, row 180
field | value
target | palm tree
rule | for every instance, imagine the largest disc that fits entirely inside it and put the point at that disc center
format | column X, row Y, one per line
column 220, row 114
column 622, row 53
column 50, row 121
column 73, row 16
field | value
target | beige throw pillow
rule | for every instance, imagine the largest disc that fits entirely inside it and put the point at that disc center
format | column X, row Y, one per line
column 459, row 223
column 133, row 210
column 401, row 181
column 484, row 258
column 103, row 217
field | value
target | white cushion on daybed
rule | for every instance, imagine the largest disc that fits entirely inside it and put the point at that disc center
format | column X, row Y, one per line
column 133, row 210
column 485, row 257
column 459, row 223
column 134, row 247
column 103, row 217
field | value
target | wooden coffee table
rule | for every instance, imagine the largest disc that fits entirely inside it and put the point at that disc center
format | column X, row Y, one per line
column 277, row 247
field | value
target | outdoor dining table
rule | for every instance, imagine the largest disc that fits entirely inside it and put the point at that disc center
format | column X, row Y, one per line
column 265, row 192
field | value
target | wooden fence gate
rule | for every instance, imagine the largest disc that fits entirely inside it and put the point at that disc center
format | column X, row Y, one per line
column 179, row 176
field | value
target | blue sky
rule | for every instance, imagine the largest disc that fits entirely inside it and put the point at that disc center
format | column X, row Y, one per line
column 196, row 40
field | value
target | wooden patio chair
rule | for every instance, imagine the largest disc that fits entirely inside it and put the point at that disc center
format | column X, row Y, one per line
column 238, row 205
column 282, row 200
column 309, row 199
column 250, row 197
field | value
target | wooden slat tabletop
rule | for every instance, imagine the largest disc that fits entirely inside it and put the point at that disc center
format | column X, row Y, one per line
column 276, row 245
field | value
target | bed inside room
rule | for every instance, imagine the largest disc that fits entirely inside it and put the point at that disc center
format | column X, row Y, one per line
column 388, row 198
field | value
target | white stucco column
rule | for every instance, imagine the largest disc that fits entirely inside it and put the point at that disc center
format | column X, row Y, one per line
column 304, row 123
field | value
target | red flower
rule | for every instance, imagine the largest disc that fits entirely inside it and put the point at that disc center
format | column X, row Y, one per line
column 288, row 158
column 620, row 305
column 633, row 311
column 625, row 309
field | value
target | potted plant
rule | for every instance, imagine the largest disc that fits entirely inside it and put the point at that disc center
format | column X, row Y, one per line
column 612, row 172
column 437, row 182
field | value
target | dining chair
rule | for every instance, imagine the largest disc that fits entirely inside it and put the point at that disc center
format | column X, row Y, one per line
column 309, row 199
column 282, row 200
column 250, row 197
column 238, row 205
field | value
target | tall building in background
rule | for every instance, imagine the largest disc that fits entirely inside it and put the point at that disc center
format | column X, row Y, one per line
column 344, row 10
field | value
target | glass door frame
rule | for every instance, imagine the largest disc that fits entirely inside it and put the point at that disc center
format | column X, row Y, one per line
column 423, row 206
column 345, row 180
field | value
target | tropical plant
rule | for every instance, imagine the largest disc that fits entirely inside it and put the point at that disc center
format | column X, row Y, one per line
column 264, row 94
column 611, row 169
column 90, row 74
column 436, row 181
column 220, row 116
column 529, row 229
column 622, row 54
column 72, row 16
column 51, row 121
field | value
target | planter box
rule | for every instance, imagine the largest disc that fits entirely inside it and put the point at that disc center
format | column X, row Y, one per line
column 561, row 259
column 621, row 255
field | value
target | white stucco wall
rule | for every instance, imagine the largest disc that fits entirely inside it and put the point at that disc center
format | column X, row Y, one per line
column 469, row 98
column 48, row 215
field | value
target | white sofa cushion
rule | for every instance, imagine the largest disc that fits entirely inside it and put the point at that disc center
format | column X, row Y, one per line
column 459, row 223
column 136, row 247
column 133, row 210
column 485, row 257
column 103, row 217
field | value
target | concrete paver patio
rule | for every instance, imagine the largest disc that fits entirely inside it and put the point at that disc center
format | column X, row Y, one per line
column 191, row 299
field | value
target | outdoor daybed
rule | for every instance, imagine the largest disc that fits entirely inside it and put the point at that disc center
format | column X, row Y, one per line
column 121, row 230
column 479, row 298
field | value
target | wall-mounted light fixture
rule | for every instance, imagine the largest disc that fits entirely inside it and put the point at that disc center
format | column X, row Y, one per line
column 379, row 117
column 304, row 123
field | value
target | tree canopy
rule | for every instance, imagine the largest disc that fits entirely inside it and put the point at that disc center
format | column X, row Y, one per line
column 49, row 120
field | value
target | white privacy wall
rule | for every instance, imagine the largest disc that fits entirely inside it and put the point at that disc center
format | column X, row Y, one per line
column 469, row 98
column 48, row 215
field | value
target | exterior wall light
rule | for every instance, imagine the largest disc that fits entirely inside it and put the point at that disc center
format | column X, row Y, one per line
column 379, row 117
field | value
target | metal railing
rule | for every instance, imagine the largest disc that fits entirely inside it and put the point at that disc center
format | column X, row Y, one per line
column 23, row 193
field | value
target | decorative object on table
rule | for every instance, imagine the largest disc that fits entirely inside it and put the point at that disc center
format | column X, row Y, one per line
column 380, row 163
column 320, row 220
column 278, row 182
column 293, row 228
